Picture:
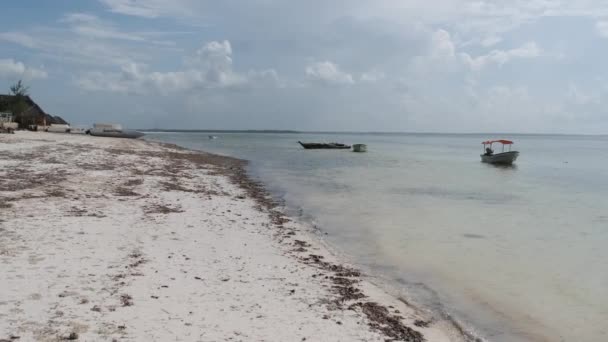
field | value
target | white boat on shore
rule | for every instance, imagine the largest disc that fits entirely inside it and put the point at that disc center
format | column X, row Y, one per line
column 113, row 131
column 58, row 128
column 79, row 129
column 502, row 158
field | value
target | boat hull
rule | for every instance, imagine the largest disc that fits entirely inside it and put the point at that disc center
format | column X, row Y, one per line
column 318, row 146
column 504, row 158
column 115, row 134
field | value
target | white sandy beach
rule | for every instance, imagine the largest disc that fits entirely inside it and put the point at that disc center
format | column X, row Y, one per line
column 105, row 239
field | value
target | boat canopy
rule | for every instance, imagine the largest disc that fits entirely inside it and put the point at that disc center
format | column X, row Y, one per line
column 504, row 142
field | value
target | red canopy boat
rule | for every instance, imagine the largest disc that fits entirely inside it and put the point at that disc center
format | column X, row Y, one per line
column 504, row 157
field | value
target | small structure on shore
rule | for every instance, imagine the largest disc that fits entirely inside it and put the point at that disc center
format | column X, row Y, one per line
column 6, row 123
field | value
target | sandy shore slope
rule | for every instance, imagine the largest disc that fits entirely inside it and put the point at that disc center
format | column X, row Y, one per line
column 106, row 239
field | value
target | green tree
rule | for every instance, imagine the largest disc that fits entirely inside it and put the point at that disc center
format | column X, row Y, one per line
column 19, row 105
column 19, row 89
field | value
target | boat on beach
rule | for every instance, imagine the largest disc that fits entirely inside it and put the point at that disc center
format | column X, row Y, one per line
column 502, row 158
column 113, row 131
column 324, row 146
column 78, row 129
column 58, row 128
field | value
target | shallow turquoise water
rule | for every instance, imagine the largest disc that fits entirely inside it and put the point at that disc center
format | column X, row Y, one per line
column 518, row 253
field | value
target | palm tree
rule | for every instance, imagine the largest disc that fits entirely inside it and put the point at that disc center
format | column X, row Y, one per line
column 19, row 90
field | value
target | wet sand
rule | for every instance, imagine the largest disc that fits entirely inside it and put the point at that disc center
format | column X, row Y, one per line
column 106, row 239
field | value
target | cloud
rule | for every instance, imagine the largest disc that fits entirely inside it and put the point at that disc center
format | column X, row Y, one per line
column 500, row 57
column 10, row 68
column 328, row 73
column 210, row 68
column 602, row 28
column 372, row 76
column 490, row 41
column 86, row 39
column 442, row 45
column 20, row 39
column 443, row 49
column 146, row 9
column 91, row 26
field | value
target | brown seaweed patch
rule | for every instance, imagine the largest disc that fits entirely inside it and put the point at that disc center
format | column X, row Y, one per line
column 124, row 191
column 390, row 325
column 162, row 209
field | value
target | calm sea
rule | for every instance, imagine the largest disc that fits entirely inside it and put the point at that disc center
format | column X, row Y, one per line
column 516, row 254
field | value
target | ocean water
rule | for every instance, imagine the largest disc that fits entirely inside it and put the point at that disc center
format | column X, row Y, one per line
column 513, row 253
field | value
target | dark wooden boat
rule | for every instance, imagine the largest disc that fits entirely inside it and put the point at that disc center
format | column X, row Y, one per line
column 324, row 146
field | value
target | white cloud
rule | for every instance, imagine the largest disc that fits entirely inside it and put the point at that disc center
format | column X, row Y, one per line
column 86, row 39
column 578, row 96
column 372, row 76
column 20, row 39
column 602, row 28
column 444, row 50
column 12, row 68
column 491, row 41
column 91, row 26
column 328, row 73
column 147, row 9
column 442, row 45
column 500, row 57
column 210, row 68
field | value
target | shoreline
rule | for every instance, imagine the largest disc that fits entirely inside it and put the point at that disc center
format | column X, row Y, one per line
column 326, row 299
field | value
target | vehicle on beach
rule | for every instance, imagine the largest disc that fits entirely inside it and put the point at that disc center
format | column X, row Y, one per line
column 58, row 128
column 502, row 158
column 324, row 146
column 113, row 131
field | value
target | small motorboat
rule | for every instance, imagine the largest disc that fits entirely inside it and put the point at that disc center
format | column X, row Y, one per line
column 359, row 148
column 502, row 158
column 324, row 146
column 113, row 131
column 212, row 137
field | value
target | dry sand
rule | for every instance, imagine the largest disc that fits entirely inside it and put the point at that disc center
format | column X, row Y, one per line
column 105, row 239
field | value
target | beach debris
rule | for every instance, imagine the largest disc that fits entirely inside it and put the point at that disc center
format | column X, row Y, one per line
column 71, row 336
column 391, row 325
column 126, row 300
column 420, row 323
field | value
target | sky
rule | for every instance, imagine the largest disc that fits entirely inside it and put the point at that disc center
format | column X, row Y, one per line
column 521, row 66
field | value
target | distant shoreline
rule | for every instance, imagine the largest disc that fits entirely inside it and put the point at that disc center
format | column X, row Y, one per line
column 271, row 131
